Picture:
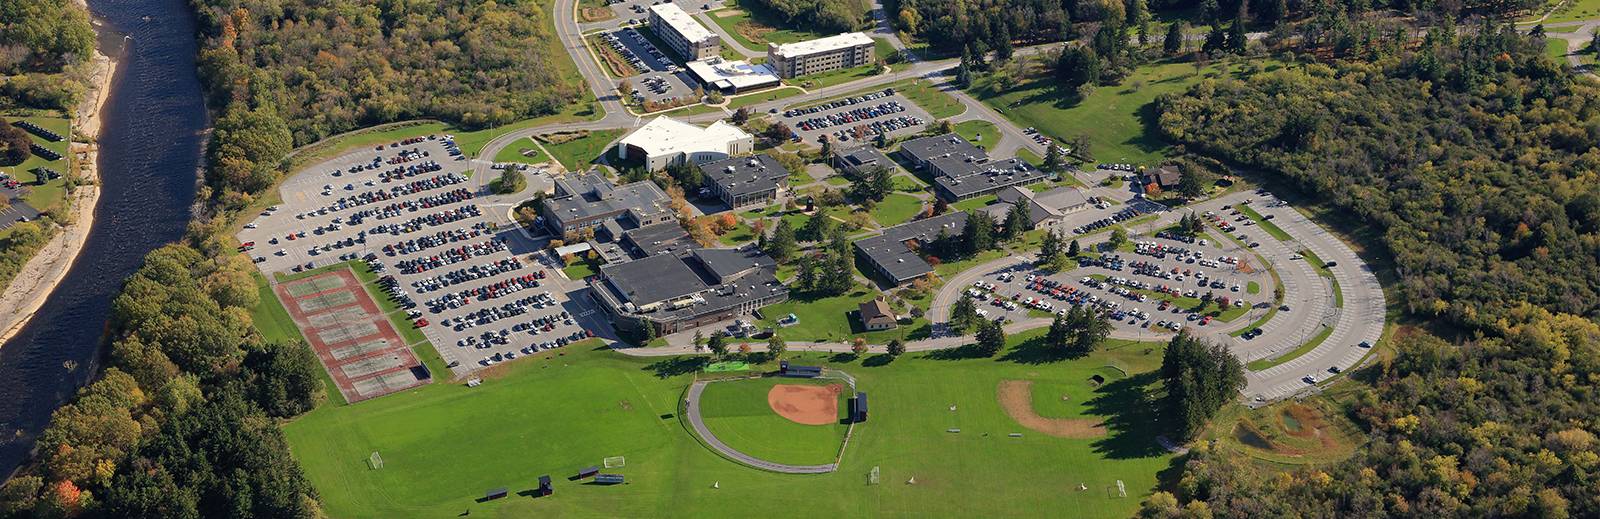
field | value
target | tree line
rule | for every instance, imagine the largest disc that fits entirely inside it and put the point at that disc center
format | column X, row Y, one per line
column 45, row 47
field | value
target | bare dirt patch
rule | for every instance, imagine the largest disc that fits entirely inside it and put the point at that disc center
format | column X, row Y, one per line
column 754, row 32
column 1016, row 397
column 726, row 13
column 809, row 405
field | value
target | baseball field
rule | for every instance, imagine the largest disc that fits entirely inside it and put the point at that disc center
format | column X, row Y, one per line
column 939, row 435
column 744, row 415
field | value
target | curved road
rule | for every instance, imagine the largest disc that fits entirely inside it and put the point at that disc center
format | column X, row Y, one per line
column 693, row 403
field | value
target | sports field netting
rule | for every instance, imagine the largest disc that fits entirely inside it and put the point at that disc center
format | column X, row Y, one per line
column 307, row 287
column 359, row 349
column 362, row 368
column 326, row 301
column 347, row 332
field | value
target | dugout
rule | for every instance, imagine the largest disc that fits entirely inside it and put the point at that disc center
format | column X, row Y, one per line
column 495, row 493
column 608, row 479
column 588, row 471
column 545, row 488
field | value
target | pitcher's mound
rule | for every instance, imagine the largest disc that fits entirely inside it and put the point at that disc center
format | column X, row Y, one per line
column 809, row 405
column 1016, row 396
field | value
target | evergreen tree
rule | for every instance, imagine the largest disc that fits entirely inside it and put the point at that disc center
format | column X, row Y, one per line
column 991, row 338
column 978, row 234
column 1049, row 244
column 964, row 70
column 1076, row 67
column 1073, row 249
column 783, row 244
column 1053, row 159
column 1237, row 40
column 1173, row 44
column 806, row 274
column 718, row 344
column 1199, row 379
column 1059, row 338
column 964, row 314
column 1216, row 40
column 1017, row 223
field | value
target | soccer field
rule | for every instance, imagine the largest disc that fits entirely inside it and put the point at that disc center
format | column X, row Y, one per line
column 443, row 445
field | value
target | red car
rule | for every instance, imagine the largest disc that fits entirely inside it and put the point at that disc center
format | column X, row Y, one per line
column 421, row 322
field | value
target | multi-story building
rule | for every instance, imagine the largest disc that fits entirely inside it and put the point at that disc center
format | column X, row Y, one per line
column 851, row 49
column 686, row 36
column 590, row 200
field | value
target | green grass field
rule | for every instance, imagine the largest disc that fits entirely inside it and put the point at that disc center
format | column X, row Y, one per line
column 1119, row 120
column 831, row 319
column 756, row 18
column 576, row 154
column 834, row 77
column 52, row 193
column 979, row 131
column 443, row 445
column 522, row 150
column 895, row 209
column 1573, row 10
column 762, row 97
column 737, row 412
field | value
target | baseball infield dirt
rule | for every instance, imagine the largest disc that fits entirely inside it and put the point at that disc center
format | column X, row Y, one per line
column 809, row 405
column 1016, row 397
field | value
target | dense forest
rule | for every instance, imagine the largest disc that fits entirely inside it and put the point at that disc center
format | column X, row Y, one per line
column 178, row 424
column 1472, row 158
column 44, row 46
column 286, row 73
column 826, row 16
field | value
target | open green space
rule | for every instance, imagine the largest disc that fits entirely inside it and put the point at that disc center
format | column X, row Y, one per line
column 906, row 184
column 579, row 269
column 834, row 77
column 577, row 153
column 973, row 203
column 522, row 150
column 1316, row 340
column 753, row 25
column 737, row 412
column 895, row 209
column 833, row 319
column 1118, row 119
column 1252, row 288
column 1556, row 48
column 52, row 193
column 740, row 235
column 1569, row 11
column 444, row 444
column 978, row 131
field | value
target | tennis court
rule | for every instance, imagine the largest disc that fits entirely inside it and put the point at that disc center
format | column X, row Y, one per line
column 356, row 343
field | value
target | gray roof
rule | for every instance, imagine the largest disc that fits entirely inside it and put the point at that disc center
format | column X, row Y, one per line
column 993, row 176
column 1061, row 199
column 660, row 238
column 745, row 175
column 1164, row 176
column 653, row 279
column 924, row 149
column 729, row 264
column 1041, row 206
column 591, row 195
column 893, row 255
column 862, row 157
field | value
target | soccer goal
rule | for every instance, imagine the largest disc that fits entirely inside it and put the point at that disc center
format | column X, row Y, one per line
column 872, row 477
column 615, row 462
column 375, row 461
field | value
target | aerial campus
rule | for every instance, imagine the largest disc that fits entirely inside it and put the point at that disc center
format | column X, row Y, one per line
column 663, row 258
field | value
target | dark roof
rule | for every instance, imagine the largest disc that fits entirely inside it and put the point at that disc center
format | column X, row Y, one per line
column 984, row 178
column 745, row 175
column 653, row 279
column 1164, row 176
column 876, row 310
column 862, row 157
column 924, row 149
column 660, row 238
column 890, row 252
column 728, row 264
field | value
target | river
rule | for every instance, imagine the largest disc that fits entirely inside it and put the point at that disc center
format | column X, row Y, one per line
column 149, row 151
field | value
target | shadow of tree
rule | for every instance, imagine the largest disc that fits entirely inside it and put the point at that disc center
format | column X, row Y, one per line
column 879, row 360
column 675, row 366
column 842, row 358
column 970, row 351
column 1036, row 351
column 1131, row 418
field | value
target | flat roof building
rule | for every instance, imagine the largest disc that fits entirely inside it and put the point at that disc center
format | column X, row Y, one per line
column 756, row 180
column 732, row 77
column 895, row 253
column 691, row 40
column 661, row 238
column 686, row 289
column 860, row 159
column 665, row 142
column 962, row 170
column 590, row 200
column 1045, row 209
column 851, row 49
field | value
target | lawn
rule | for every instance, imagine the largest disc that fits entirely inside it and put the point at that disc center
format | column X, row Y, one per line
column 753, row 25
column 979, row 131
column 737, row 412
column 579, row 269
column 1252, row 288
column 895, row 209
column 907, row 184
column 579, row 152
column 1574, row 10
column 444, row 444
column 522, row 150
column 52, row 193
column 834, row 77
column 1119, row 120
column 973, row 203
column 1556, row 48
column 762, row 97
column 832, row 319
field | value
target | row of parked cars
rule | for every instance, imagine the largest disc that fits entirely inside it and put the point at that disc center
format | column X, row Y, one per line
column 848, row 101
column 451, row 256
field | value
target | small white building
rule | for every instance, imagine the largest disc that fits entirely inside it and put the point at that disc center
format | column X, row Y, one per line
column 665, row 142
column 731, row 77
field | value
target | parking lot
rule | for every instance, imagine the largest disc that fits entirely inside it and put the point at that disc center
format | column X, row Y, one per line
column 857, row 118
column 1157, row 289
column 658, row 78
column 481, row 295
column 636, row 12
